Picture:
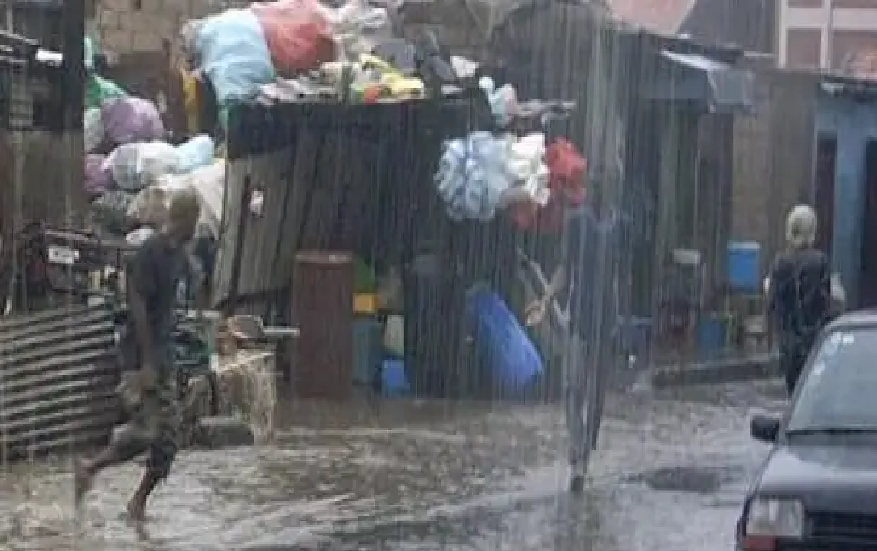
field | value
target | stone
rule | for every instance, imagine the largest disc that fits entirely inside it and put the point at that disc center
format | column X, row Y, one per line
column 219, row 432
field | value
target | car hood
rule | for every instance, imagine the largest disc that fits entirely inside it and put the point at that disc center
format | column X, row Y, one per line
column 829, row 478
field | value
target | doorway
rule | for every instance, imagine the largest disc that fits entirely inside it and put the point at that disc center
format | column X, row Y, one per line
column 826, row 156
column 868, row 275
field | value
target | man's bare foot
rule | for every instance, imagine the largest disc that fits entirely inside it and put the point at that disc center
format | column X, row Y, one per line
column 82, row 481
column 136, row 510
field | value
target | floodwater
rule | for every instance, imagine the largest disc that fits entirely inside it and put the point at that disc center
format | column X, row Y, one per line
column 670, row 473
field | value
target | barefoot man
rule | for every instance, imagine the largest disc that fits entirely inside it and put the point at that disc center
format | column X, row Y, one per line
column 152, row 276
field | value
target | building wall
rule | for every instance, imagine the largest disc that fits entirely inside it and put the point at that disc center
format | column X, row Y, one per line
column 773, row 158
column 821, row 34
column 853, row 123
column 139, row 26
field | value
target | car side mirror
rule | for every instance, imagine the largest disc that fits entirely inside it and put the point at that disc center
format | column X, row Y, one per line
column 764, row 428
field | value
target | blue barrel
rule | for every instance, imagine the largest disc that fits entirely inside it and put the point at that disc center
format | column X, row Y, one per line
column 744, row 266
column 513, row 360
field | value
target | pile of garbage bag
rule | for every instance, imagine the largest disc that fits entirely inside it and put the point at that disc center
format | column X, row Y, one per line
column 302, row 49
column 131, row 170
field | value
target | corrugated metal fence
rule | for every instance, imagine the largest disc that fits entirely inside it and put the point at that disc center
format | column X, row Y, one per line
column 57, row 380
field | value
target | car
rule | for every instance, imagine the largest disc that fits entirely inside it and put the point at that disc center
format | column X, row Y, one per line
column 817, row 488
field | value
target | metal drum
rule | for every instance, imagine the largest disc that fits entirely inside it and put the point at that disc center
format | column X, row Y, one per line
column 322, row 309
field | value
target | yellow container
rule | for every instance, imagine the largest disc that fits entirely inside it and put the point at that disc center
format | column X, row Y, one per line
column 365, row 303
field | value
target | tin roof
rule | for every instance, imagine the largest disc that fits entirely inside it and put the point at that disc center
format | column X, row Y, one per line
column 660, row 16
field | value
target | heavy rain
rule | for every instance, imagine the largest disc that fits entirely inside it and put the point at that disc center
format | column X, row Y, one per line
column 420, row 274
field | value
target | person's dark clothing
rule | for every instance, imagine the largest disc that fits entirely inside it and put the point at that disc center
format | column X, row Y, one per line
column 155, row 271
column 799, row 304
column 592, row 257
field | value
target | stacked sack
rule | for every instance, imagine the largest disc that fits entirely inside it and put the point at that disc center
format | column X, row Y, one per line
column 129, row 166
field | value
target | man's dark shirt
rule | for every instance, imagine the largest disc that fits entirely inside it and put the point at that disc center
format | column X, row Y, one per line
column 800, row 294
column 592, row 256
column 154, row 271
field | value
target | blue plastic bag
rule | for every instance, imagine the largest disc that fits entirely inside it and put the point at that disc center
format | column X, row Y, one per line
column 513, row 360
column 195, row 153
column 234, row 55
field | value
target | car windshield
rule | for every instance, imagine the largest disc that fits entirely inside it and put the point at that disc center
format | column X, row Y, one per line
column 839, row 391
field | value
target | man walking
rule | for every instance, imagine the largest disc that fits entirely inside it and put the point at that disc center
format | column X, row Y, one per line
column 588, row 272
column 152, row 277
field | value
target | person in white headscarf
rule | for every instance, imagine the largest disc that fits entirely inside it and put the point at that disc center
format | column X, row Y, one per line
column 799, row 293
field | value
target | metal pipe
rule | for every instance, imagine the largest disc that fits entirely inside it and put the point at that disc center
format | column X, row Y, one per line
column 74, row 63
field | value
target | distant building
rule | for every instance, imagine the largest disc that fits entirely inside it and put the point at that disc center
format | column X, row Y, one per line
column 829, row 35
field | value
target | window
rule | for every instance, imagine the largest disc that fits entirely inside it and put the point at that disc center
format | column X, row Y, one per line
column 839, row 387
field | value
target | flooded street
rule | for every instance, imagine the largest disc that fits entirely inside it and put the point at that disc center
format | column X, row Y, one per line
column 670, row 474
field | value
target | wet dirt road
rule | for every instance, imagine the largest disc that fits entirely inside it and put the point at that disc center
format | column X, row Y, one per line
column 418, row 476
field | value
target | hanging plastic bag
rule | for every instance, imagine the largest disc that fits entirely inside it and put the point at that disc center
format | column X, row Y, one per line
column 93, row 129
column 567, row 168
column 129, row 120
column 98, row 179
column 472, row 176
column 503, row 101
column 195, row 153
column 298, row 35
column 98, row 90
column 138, row 165
column 233, row 54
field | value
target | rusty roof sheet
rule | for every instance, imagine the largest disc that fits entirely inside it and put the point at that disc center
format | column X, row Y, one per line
column 660, row 16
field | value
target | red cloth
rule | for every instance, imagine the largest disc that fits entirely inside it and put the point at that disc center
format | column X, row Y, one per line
column 566, row 180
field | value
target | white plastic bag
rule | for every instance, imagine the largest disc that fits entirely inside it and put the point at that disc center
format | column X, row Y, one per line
column 195, row 153
column 358, row 26
column 138, row 165
column 139, row 236
column 209, row 183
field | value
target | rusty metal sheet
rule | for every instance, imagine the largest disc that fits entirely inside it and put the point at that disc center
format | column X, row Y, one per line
column 57, row 380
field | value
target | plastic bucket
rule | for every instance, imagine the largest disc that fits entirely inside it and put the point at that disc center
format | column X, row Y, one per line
column 744, row 272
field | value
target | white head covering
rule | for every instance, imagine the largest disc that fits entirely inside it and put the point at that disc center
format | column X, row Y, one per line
column 801, row 227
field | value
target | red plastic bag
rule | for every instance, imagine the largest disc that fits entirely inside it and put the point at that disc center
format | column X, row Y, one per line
column 298, row 35
column 566, row 168
column 566, row 180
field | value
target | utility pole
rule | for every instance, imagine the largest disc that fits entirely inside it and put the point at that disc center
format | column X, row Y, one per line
column 74, row 64
column 829, row 37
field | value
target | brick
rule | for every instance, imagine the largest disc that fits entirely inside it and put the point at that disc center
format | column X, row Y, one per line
column 115, row 5
column 145, row 41
column 117, row 41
